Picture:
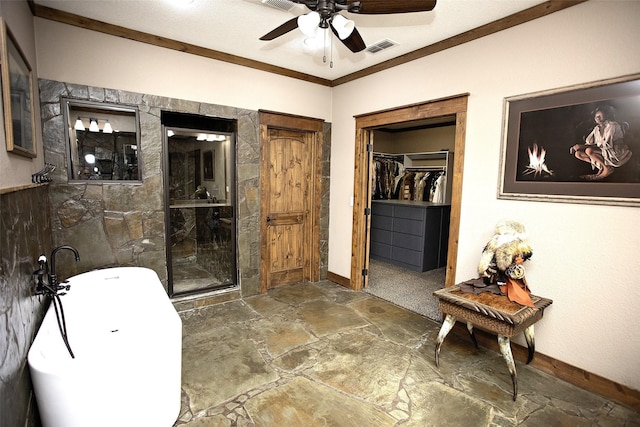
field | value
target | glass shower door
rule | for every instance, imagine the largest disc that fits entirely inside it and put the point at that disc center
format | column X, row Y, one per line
column 201, row 231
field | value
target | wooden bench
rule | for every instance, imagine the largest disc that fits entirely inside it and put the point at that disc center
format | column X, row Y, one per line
column 492, row 313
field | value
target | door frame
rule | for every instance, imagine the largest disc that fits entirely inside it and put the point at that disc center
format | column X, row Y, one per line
column 454, row 106
column 194, row 123
column 271, row 119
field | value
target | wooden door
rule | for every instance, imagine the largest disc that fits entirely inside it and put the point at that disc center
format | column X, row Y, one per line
column 289, row 200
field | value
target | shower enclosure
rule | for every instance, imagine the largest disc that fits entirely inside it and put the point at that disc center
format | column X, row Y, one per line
column 200, row 203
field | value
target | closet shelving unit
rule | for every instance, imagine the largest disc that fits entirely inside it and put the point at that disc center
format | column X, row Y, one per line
column 432, row 161
column 413, row 234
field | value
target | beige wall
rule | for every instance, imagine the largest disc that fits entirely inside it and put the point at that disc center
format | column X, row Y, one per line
column 584, row 255
column 15, row 171
column 116, row 63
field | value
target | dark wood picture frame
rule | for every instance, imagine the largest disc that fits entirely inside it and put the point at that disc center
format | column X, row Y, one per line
column 543, row 131
column 18, row 96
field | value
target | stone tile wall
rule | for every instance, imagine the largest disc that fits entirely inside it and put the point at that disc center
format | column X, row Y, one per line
column 26, row 233
column 110, row 224
column 123, row 223
column 324, row 207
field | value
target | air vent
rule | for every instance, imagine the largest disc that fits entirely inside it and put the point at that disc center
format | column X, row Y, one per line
column 381, row 45
column 280, row 4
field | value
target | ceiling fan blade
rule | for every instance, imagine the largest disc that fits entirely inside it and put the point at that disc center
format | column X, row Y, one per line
column 290, row 25
column 375, row 7
column 354, row 42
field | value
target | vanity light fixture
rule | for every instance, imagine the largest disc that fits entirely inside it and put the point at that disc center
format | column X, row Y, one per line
column 210, row 137
column 107, row 127
column 93, row 125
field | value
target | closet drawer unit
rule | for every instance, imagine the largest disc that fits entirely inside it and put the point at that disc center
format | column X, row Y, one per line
column 410, row 259
column 382, row 222
column 408, row 226
column 381, row 236
column 444, row 237
column 411, row 235
column 407, row 241
column 409, row 212
column 380, row 251
column 381, row 209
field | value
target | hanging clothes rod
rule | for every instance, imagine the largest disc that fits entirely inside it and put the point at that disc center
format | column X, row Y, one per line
column 397, row 157
column 425, row 168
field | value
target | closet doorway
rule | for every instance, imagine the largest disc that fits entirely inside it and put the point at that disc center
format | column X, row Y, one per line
column 410, row 212
column 450, row 111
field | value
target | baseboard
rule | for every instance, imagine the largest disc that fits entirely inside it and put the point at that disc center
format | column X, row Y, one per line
column 579, row 377
column 340, row 280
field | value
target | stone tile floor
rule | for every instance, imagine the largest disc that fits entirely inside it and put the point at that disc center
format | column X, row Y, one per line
column 322, row 355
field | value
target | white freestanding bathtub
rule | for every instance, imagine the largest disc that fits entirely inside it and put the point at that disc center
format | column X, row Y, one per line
column 127, row 341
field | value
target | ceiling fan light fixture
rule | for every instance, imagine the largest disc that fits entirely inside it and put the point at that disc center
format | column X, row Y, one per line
column 343, row 26
column 308, row 23
column 315, row 42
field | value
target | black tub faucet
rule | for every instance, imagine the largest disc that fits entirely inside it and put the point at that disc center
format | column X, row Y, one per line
column 53, row 280
column 53, row 288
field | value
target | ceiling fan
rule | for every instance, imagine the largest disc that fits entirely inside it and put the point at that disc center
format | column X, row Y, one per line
column 325, row 14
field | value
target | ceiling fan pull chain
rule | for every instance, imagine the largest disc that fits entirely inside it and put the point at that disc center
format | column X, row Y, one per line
column 331, row 48
column 324, row 47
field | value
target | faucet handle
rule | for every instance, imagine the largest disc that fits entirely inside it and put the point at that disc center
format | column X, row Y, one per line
column 42, row 267
column 42, row 261
column 64, row 288
column 39, row 274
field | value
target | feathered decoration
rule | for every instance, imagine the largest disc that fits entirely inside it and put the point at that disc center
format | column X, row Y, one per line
column 502, row 258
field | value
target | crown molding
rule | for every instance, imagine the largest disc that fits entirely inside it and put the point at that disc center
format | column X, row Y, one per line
column 510, row 21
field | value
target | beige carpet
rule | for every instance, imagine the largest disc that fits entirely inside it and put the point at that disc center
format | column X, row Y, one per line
column 409, row 289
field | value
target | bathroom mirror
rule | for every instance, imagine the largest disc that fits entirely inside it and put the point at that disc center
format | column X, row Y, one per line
column 103, row 141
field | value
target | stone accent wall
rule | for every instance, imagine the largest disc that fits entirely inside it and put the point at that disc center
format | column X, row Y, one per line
column 26, row 233
column 324, row 207
column 116, row 224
